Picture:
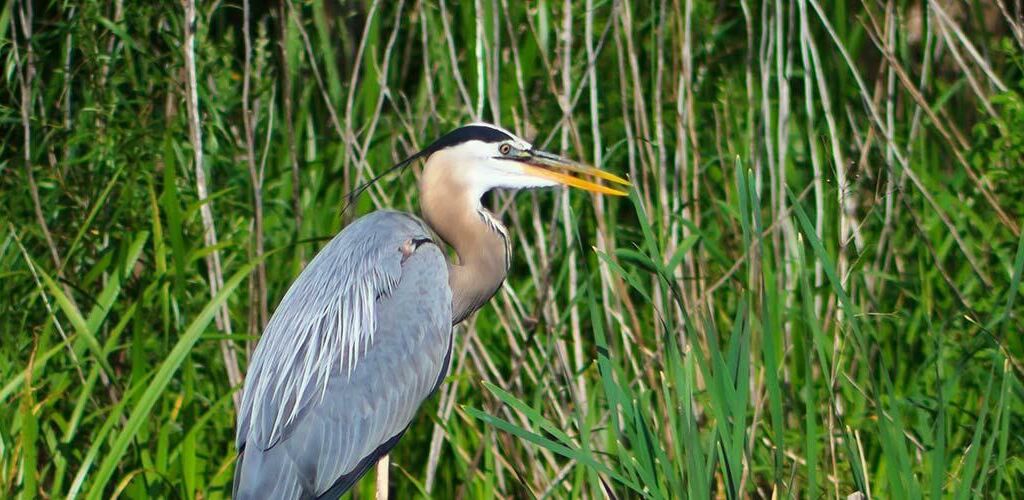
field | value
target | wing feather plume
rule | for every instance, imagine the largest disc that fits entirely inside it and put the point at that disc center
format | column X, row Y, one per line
column 324, row 324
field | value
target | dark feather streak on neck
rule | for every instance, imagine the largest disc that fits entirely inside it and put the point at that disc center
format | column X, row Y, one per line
column 495, row 225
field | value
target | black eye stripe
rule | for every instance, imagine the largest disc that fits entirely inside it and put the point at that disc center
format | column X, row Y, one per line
column 466, row 134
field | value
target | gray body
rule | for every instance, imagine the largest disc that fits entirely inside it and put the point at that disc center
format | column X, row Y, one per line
column 364, row 334
column 321, row 404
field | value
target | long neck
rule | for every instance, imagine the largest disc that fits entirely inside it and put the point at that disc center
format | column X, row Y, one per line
column 479, row 240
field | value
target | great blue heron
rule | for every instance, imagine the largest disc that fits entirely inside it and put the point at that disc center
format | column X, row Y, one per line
column 364, row 334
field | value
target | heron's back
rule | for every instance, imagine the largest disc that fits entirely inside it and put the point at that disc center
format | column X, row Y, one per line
column 316, row 437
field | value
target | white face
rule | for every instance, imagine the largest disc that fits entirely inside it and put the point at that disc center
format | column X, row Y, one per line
column 481, row 157
column 480, row 167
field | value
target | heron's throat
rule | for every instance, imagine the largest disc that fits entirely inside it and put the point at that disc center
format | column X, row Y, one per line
column 479, row 239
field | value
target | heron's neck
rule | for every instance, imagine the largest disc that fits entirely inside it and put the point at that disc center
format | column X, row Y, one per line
column 480, row 241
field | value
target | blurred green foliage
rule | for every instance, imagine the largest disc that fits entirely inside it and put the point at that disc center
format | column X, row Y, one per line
column 812, row 290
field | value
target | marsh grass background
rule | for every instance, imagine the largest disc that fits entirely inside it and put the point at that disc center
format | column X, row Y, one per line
column 811, row 291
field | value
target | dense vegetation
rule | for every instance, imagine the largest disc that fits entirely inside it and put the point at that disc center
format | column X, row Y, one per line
column 811, row 291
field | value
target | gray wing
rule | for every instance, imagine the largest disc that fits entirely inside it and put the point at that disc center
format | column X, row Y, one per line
column 358, row 342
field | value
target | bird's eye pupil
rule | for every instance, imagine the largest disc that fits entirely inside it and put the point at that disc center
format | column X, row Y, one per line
column 504, row 149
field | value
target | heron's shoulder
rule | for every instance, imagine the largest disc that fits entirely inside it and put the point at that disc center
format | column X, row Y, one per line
column 390, row 222
column 391, row 219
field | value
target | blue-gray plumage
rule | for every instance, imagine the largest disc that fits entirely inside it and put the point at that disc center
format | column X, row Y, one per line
column 318, row 398
column 364, row 334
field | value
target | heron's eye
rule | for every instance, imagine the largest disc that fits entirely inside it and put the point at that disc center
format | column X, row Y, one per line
column 504, row 149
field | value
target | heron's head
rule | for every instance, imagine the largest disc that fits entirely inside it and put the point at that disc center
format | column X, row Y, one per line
column 481, row 157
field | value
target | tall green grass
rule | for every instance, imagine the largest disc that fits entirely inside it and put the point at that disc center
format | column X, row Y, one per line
column 811, row 291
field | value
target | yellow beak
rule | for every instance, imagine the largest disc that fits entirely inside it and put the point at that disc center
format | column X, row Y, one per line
column 555, row 168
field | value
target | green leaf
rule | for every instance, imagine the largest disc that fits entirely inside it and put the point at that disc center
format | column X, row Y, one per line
column 155, row 388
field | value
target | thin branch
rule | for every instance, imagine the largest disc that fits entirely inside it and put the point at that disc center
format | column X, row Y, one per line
column 289, row 130
column 214, row 273
column 26, row 77
column 981, row 62
column 887, row 134
column 46, row 303
column 1016, row 25
column 941, row 127
column 255, row 177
